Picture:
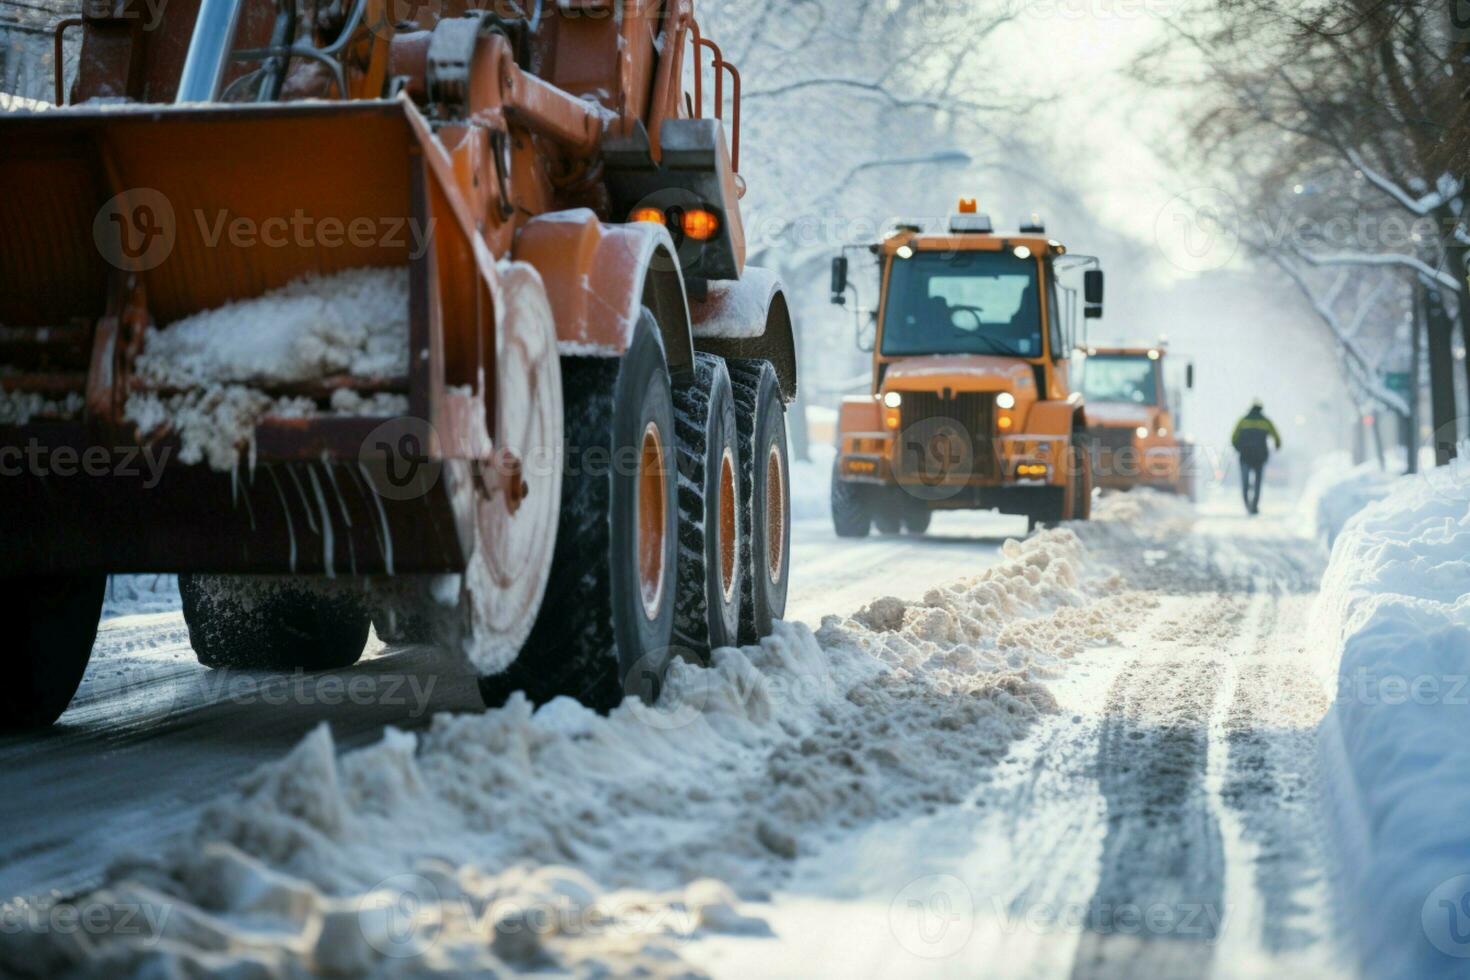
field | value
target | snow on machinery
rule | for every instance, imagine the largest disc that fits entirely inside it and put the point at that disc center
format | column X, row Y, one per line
column 595, row 383
column 972, row 404
column 1133, row 417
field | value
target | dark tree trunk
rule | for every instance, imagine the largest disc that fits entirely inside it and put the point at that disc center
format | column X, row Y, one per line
column 1457, row 256
column 1416, row 371
column 1439, row 332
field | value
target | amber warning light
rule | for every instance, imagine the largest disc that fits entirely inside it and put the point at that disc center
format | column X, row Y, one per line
column 700, row 225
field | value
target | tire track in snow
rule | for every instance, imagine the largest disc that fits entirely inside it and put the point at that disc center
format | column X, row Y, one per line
column 1158, row 904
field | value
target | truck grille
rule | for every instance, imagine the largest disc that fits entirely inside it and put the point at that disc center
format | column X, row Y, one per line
column 969, row 416
column 1111, row 438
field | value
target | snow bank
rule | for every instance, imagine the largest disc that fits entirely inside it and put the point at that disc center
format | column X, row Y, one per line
column 561, row 840
column 1337, row 489
column 1391, row 630
column 354, row 322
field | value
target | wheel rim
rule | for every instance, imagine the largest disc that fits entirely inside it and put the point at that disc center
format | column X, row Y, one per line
column 728, row 544
column 775, row 513
column 652, row 514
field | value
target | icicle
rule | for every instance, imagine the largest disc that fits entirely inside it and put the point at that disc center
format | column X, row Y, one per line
column 321, row 500
column 346, row 514
column 386, row 541
column 249, row 507
column 305, row 502
column 286, row 507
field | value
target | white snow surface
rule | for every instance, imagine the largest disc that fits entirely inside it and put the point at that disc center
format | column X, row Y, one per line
column 1391, row 631
column 563, row 840
column 735, row 308
column 1337, row 489
column 354, row 322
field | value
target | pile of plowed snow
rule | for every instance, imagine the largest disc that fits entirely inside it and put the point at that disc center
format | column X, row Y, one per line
column 1392, row 633
column 563, row 840
column 354, row 322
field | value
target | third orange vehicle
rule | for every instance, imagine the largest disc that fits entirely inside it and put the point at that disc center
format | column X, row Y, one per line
column 1133, row 418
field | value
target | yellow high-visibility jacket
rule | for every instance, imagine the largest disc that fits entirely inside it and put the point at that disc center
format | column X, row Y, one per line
column 1251, row 433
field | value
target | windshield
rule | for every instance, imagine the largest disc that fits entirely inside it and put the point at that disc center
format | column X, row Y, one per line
column 963, row 303
column 1120, row 378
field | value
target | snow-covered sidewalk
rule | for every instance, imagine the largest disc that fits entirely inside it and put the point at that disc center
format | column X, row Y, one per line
column 1392, row 636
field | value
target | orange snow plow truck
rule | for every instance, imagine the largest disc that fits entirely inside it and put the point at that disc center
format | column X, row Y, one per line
column 1133, row 416
column 972, row 402
column 564, row 454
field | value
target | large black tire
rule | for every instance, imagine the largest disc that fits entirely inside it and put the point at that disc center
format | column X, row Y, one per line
column 1049, row 509
column 765, row 492
column 594, row 639
column 52, row 623
column 711, row 525
column 1082, row 455
column 401, row 627
column 851, row 515
column 1072, row 502
column 273, row 622
column 916, row 513
column 888, row 507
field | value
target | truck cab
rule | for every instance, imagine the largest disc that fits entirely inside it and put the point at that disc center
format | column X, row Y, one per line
column 1134, row 420
column 973, row 402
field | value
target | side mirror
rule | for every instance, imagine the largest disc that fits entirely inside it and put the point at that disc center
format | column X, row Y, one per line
column 1092, row 287
column 839, row 280
column 1189, row 376
column 1092, row 312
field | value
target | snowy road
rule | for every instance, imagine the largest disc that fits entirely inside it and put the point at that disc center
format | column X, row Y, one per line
column 1090, row 760
column 152, row 735
column 1163, row 823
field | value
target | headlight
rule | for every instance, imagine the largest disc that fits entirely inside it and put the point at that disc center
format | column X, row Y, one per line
column 1005, row 400
column 893, row 399
column 1163, row 431
column 1142, row 431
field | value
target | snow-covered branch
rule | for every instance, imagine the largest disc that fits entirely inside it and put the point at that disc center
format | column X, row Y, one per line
column 1425, row 205
column 1362, row 369
column 1439, row 276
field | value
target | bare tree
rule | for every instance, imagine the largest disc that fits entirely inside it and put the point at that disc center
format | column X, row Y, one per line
column 1343, row 123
